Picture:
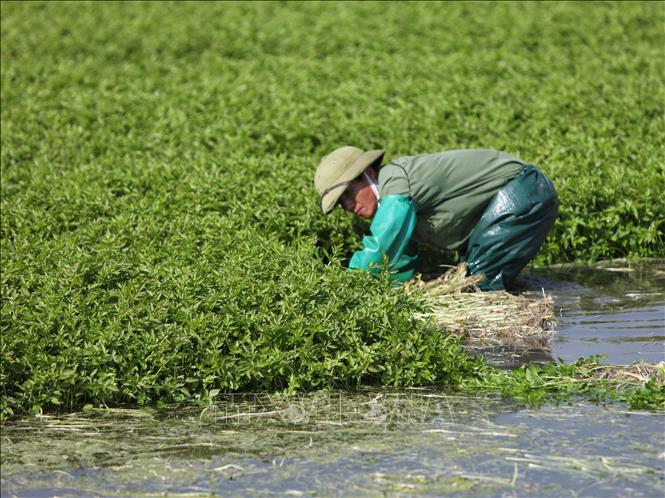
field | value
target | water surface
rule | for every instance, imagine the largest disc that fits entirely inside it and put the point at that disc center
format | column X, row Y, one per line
column 615, row 309
column 371, row 443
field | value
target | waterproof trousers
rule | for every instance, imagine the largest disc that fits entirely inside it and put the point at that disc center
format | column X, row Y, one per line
column 512, row 229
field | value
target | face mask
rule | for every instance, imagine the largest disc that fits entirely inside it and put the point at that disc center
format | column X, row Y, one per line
column 373, row 186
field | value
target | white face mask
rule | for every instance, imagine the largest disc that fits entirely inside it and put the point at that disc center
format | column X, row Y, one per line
column 373, row 186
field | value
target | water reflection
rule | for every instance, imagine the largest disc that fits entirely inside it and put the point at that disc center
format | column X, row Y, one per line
column 616, row 309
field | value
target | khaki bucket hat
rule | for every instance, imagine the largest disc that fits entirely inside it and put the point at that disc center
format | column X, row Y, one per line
column 338, row 169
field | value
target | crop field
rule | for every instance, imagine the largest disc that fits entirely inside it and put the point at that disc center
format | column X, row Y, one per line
column 161, row 237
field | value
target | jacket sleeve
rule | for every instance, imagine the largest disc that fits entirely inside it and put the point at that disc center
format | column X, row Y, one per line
column 390, row 237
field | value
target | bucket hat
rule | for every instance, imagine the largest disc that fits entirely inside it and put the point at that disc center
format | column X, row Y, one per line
column 338, row 169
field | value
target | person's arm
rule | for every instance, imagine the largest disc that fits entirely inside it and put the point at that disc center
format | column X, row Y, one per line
column 390, row 236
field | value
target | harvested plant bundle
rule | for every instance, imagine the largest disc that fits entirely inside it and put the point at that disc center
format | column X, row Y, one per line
column 486, row 318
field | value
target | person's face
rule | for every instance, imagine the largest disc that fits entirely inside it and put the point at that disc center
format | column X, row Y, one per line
column 358, row 197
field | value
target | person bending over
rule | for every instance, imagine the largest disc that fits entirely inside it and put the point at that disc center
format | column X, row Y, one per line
column 491, row 207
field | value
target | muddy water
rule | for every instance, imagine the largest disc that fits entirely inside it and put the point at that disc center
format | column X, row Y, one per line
column 375, row 443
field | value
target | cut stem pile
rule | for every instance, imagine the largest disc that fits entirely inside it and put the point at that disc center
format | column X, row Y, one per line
column 485, row 319
column 638, row 373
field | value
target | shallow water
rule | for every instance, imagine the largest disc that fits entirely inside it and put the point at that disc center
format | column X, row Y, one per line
column 615, row 309
column 375, row 443
column 618, row 310
column 371, row 443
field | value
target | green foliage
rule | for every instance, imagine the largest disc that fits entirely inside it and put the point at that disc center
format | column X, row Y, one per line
column 649, row 397
column 212, row 307
column 160, row 234
column 535, row 384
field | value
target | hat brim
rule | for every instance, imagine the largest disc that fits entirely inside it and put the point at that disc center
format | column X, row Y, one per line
column 330, row 198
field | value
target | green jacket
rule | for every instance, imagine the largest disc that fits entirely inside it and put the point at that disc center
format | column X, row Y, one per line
column 432, row 198
column 450, row 190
